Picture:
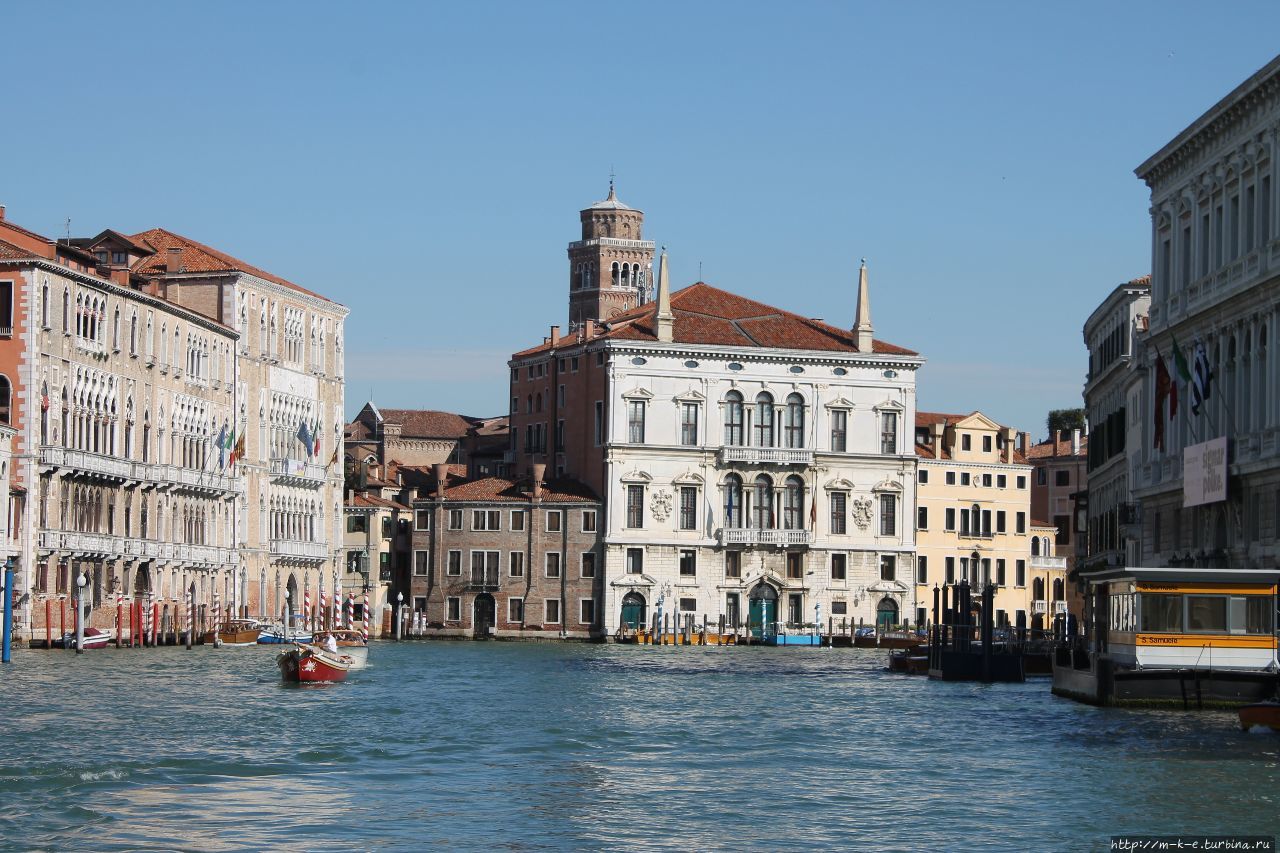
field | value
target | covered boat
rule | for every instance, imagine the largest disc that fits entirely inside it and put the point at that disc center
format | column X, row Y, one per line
column 310, row 664
column 235, row 632
column 275, row 633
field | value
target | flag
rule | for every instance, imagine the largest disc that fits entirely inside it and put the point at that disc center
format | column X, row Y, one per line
column 315, row 435
column 304, row 436
column 238, row 451
column 813, row 514
column 222, row 447
column 1202, row 378
column 1164, row 383
column 1180, row 362
column 332, row 459
column 44, row 401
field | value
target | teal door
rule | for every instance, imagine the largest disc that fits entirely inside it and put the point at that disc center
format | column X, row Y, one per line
column 886, row 614
column 763, row 613
column 633, row 611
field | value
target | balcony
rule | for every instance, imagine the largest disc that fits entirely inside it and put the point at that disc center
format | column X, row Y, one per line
column 1048, row 562
column 1039, row 606
column 765, row 455
column 186, row 479
column 976, row 534
column 755, row 536
column 613, row 242
column 83, row 544
column 296, row 472
column 1059, row 607
column 84, row 462
column 483, row 580
column 288, row 549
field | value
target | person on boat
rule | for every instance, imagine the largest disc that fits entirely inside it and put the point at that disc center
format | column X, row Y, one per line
column 330, row 644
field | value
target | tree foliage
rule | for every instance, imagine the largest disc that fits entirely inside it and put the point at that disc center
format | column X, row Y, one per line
column 1065, row 420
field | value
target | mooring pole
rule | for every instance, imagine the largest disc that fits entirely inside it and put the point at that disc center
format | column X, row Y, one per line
column 191, row 613
column 6, row 653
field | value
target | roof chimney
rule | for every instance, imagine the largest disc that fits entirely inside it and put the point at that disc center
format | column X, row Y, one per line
column 590, row 329
column 442, row 477
column 1008, row 445
column 1022, row 444
column 555, row 336
column 1, row 211
column 173, row 263
column 666, row 320
column 539, row 472
column 862, row 330
column 1075, row 442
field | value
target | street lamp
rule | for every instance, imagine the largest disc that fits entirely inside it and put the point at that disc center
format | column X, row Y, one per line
column 288, row 616
column 399, row 615
column 81, row 582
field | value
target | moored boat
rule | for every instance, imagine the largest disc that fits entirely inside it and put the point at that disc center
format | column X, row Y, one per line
column 913, row 661
column 1261, row 714
column 275, row 634
column 94, row 638
column 235, row 632
column 309, row 665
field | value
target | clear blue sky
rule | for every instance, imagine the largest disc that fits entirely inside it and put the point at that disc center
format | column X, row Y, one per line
column 424, row 164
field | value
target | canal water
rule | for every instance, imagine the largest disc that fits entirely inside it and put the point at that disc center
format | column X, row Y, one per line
column 458, row 745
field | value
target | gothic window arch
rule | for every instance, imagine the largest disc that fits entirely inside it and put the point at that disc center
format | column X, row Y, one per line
column 616, row 274
column 66, row 311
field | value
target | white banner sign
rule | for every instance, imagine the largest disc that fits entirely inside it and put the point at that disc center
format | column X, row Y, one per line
column 1204, row 473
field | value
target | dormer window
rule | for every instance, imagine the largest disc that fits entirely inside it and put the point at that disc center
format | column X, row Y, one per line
column 101, row 256
column 120, row 258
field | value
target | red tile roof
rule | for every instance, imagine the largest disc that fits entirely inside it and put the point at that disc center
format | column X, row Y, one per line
column 10, row 252
column 501, row 489
column 709, row 315
column 1046, row 449
column 928, row 419
column 425, row 423
column 197, row 257
column 366, row 501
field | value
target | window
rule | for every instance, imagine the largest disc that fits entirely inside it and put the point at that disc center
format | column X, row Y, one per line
column 731, row 604
column 587, row 611
column 357, row 523
column 986, row 444
column 839, row 430
column 553, row 564
column 888, row 515
column 515, row 609
column 1207, row 614
column 888, row 432
column 552, row 611
column 515, row 564
column 1001, row 481
column 422, row 519
column 966, row 443
column 1041, row 477
column 1020, row 573
column 689, row 424
column 635, row 421
column 795, row 565
column 1063, row 523
column 839, row 608
column 1022, row 482
column 950, row 519
column 922, row 476
column 794, row 425
column 422, row 563
column 951, row 569
column 1062, row 477
column 455, row 564
column 517, row 519
column 793, row 504
column 1000, row 578
column 888, row 567
column 635, row 507
column 922, row 570
column 986, row 481
column 733, row 501
column 1020, row 525
column 588, row 567
column 688, row 563
column 688, row 605
column 733, row 564
column 951, row 478
column 455, row 609
column 964, row 478
column 635, row 561
column 455, row 519
column 839, row 514
column 554, row 520
column 688, row 508
column 733, row 420
column 764, row 419
column 922, row 518
column 486, row 519
column 588, row 521
column 1000, row 527
column 484, row 567
column 839, row 566
column 763, row 503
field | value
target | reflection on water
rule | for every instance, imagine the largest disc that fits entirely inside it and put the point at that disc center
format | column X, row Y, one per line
column 550, row 747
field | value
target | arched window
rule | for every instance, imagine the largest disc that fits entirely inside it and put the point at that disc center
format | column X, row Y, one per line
column 763, row 499
column 66, row 311
column 793, row 504
column 626, row 275
column 764, row 419
column 733, row 414
column 733, row 501
column 976, row 523
column 795, row 421
column 115, row 330
column 6, row 392
column 44, row 305
column 66, row 418
column 1037, row 589
column 1035, row 546
column 133, row 334
column 1057, row 589
column 617, row 274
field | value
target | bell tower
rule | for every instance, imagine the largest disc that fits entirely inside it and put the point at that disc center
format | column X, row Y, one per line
column 611, row 267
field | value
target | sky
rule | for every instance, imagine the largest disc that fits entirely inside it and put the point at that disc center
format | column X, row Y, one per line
column 424, row 164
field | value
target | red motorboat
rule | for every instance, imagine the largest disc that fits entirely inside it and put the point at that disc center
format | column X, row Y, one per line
column 309, row 664
column 1266, row 713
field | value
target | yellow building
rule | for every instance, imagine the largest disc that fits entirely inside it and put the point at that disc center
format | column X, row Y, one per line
column 973, row 518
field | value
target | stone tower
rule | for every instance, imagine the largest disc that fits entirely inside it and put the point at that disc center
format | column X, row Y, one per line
column 611, row 267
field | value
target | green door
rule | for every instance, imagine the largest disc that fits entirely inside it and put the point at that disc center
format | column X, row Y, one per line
column 763, row 612
column 633, row 611
column 886, row 614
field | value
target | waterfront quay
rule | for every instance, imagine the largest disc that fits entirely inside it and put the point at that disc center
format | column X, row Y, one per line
column 611, row 747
